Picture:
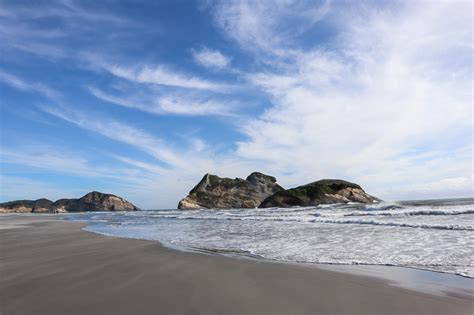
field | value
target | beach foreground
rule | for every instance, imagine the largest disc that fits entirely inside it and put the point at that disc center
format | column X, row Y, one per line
column 54, row 267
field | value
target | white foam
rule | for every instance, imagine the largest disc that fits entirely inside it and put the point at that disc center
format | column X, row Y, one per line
column 434, row 237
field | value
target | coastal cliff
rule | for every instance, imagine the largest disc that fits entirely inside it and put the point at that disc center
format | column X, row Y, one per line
column 93, row 201
column 325, row 191
column 218, row 192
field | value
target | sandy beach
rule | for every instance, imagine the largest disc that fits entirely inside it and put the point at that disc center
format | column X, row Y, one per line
column 49, row 266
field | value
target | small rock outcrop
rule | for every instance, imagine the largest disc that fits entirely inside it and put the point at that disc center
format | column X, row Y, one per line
column 93, row 201
column 42, row 205
column 218, row 192
column 325, row 191
column 39, row 206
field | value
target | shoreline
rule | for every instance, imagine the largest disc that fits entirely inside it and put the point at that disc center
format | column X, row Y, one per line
column 366, row 269
column 53, row 266
column 433, row 281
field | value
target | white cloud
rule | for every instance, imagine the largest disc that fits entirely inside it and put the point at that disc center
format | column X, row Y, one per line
column 22, row 85
column 140, row 103
column 44, row 158
column 268, row 25
column 397, row 85
column 125, row 179
column 162, row 75
column 210, row 58
column 69, row 11
column 52, row 159
column 198, row 144
column 20, row 30
column 119, row 131
column 135, row 137
column 140, row 164
column 188, row 104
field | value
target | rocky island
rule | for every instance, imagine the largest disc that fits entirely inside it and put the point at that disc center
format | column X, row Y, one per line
column 218, row 192
column 260, row 190
column 93, row 201
column 324, row 191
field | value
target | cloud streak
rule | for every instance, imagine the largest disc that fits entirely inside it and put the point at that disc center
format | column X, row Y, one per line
column 171, row 103
column 22, row 85
column 49, row 158
column 118, row 131
column 210, row 58
column 21, row 29
column 162, row 75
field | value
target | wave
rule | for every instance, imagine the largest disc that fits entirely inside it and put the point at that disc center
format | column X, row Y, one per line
column 410, row 213
column 225, row 251
column 382, row 207
column 395, row 224
column 318, row 218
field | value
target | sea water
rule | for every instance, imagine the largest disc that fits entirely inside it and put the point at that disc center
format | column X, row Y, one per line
column 431, row 234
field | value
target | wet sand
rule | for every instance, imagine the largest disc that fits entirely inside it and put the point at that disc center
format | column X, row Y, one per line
column 53, row 267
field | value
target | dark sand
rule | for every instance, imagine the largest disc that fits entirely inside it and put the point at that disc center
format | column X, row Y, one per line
column 56, row 268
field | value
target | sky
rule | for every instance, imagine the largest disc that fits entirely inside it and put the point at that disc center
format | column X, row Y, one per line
column 142, row 98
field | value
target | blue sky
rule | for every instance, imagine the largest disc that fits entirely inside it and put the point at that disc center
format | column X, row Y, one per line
column 141, row 98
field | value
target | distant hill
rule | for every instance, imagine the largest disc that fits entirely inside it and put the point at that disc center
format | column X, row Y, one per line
column 93, row 201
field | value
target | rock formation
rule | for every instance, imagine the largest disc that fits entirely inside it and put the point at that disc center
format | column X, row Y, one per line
column 40, row 205
column 324, row 191
column 217, row 192
column 93, row 201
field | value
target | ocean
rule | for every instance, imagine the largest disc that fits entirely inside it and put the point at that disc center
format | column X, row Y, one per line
column 433, row 235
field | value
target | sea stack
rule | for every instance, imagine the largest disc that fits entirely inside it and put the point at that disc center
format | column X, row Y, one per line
column 93, row 201
column 220, row 192
column 325, row 191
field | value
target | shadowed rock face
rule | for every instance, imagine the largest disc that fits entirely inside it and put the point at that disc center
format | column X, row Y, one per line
column 218, row 192
column 93, row 201
column 324, row 191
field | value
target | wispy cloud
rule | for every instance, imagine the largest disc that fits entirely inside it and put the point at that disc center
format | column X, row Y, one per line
column 67, row 10
column 21, row 28
column 118, row 131
column 126, row 178
column 25, row 86
column 141, row 103
column 164, row 76
column 159, row 75
column 187, row 106
column 139, row 139
column 18, row 35
column 268, row 26
column 153, row 168
column 210, row 58
column 173, row 103
column 52, row 159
